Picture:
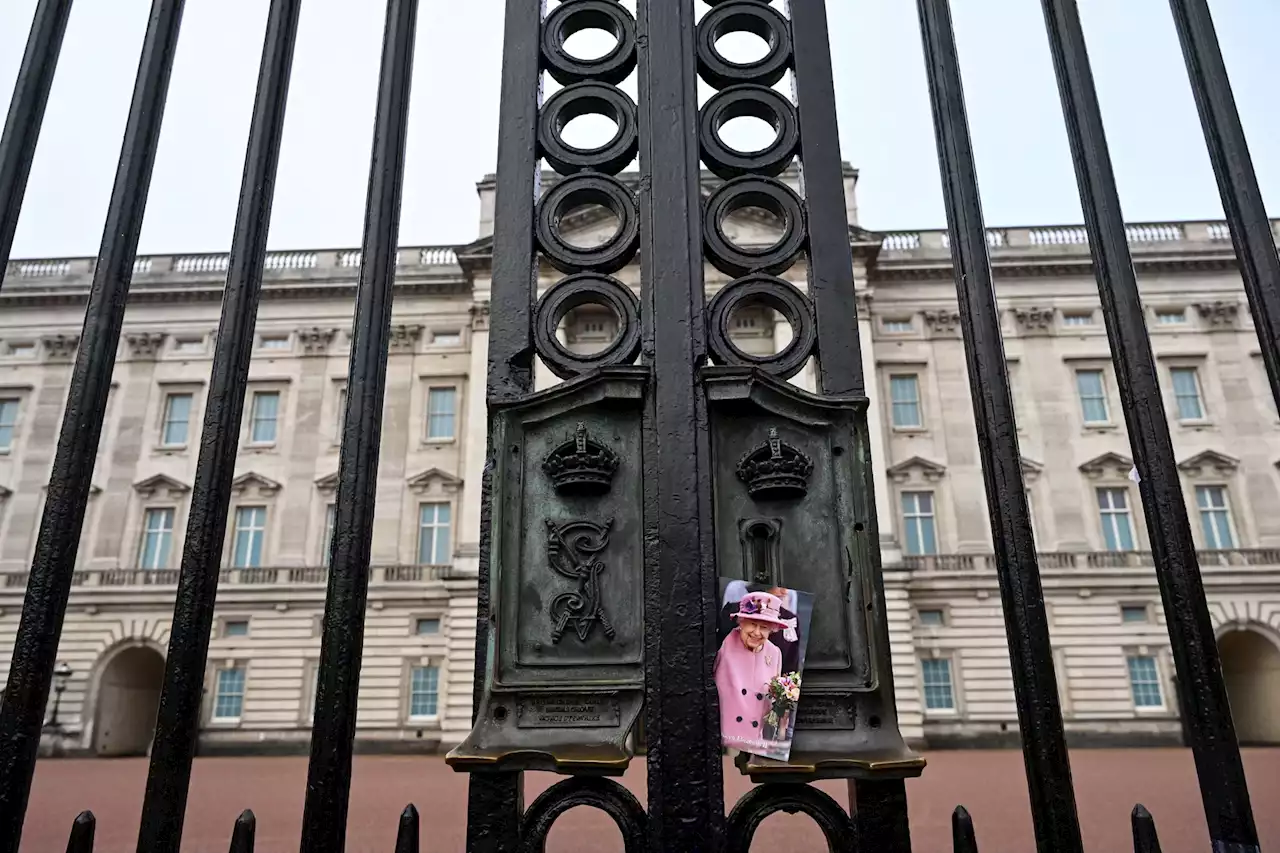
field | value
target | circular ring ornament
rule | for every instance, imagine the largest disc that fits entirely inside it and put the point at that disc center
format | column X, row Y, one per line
column 759, row 102
column 604, row 794
column 588, row 99
column 781, row 296
column 577, row 191
column 584, row 289
column 575, row 16
column 790, row 797
column 767, row 194
column 743, row 16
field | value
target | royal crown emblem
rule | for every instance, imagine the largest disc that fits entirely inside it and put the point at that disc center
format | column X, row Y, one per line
column 775, row 470
column 581, row 465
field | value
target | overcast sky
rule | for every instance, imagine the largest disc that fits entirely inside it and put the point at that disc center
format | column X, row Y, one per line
column 1023, row 160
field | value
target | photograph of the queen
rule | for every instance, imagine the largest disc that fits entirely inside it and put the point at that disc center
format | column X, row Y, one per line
column 758, row 696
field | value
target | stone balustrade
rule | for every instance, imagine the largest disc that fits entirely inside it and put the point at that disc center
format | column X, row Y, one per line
column 266, row 576
column 1141, row 234
column 1086, row 560
column 217, row 263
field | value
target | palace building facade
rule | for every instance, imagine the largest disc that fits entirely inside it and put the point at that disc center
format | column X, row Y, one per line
column 951, row 664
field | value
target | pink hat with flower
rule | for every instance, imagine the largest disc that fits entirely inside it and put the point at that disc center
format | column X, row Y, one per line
column 765, row 607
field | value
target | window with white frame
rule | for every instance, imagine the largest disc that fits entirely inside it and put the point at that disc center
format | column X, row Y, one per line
column 450, row 338
column 340, row 414
column 424, row 692
column 1092, row 389
column 188, row 345
column 157, row 538
column 434, row 520
column 931, row 617
column 1144, row 681
column 264, row 417
column 918, row 522
column 8, row 422
column 276, row 342
column 228, row 694
column 249, row 536
column 1134, row 614
column 1077, row 318
column 1115, row 518
column 326, row 542
column 1171, row 316
column 904, row 393
column 1215, row 517
column 897, row 325
column 426, row 627
column 177, row 419
column 939, row 694
column 442, row 404
column 235, row 628
column 1186, row 393
column 22, row 350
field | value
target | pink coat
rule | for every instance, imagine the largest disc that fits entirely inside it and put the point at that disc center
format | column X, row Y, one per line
column 742, row 680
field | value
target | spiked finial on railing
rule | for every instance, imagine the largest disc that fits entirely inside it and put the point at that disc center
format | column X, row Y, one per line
column 1145, row 839
column 81, row 840
column 242, row 835
column 407, row 835
column 962, row 838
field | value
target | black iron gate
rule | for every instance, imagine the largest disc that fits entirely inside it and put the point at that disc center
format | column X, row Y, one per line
column 674, row 334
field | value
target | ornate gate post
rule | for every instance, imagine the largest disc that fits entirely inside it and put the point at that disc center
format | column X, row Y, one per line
column 616, row 499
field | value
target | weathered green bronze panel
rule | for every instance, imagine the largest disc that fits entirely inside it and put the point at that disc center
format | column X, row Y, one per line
column 793, row 507
column 563, row 687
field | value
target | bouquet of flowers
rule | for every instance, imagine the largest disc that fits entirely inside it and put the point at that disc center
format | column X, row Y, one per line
column 784, row 695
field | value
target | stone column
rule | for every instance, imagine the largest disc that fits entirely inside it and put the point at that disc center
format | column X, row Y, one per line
column 297, row 499
column 396, row 438
column 782, row 336
column 886, row 516
column 474, row 442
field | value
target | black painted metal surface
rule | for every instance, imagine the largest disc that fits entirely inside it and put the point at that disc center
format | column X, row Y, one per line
column 686, row 800
column 407, row 832
column 243, row 833
column 1053, row 809
column 962, row 837
column 26, row 114
column 765, row 800
column 82, row 831
column 324, row 817
column 1145, row 839
column 1201, row 691
column 178, row 719
column 36, row 645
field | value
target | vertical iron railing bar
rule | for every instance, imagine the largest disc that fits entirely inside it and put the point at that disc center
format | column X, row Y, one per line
column 26, row 115
column 880, row 818
column 324, row 820
column 830, row 267
column 1145, row 839
column 49, row 584
column 495, row 802
column 963, row 839
column 82, row 832
column 1044, row 749
column 685, row 770
column 1255, row 244
column 1202, row 693
column 407, row 832
column 242, row 835
column 178, row 719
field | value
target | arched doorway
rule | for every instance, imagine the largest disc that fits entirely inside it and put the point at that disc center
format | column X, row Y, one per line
column 128, row 697
column 1251, row 668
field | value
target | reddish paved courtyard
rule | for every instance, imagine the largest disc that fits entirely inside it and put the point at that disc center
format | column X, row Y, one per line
column 989, row 783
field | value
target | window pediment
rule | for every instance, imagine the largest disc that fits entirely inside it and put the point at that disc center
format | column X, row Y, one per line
column 328, row 484
column 162, row 485
column 917, row 468
column 435, row 480
column 1108, row 465
column 253, row 484
column 1209, row 463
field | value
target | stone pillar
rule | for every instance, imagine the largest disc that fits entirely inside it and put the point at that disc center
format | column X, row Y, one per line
column 782, row 336
column 297, row 499
column 886, row 516
column 392, row 473
column 474, row 442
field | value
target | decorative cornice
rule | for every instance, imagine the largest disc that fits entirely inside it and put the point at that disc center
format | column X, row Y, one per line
column 1034, row 320
column 315, row 340
column 60, row 347
column 1219, row 316
column 1209, row 462
column 145, row 344
column 265, row 486
column 931, row 471
column 404, row 337
column 171, row 488
column 1108, row 464
column 422, row 483
column 942, row 324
